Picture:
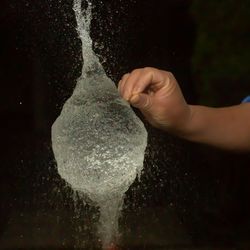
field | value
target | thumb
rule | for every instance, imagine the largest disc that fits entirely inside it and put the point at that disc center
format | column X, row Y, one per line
column 141, row 101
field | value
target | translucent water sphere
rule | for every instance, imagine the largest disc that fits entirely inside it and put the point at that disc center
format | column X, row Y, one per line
column 98, row 141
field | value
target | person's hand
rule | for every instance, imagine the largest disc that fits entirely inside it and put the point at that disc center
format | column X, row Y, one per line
column 158, row 96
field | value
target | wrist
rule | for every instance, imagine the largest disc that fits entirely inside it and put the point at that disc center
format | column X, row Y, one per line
column 184, row 127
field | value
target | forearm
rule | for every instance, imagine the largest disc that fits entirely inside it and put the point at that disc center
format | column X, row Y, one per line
column 158, row 96
column 227, row 128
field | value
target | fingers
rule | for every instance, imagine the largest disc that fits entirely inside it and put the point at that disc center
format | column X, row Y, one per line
column 122, row 82
column 127, row 83
column 141, row 101
column 139, row 80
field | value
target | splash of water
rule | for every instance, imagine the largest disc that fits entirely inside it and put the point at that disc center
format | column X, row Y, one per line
column 98, row 141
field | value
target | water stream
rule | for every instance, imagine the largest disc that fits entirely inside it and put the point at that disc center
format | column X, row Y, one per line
column 98, row 141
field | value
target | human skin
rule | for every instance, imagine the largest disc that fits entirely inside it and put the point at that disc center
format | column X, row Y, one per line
column 158, row 96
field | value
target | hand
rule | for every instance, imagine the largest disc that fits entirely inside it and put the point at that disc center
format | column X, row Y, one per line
column 158, row 96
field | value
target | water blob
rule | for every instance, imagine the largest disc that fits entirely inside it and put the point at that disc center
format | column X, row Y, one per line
column 98, row 141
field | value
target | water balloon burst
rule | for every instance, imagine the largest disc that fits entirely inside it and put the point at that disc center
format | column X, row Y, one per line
column 98, row 141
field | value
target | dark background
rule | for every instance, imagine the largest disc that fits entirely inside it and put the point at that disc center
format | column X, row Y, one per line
column 205, row 44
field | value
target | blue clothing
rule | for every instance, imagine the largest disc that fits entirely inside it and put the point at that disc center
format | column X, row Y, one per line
column 246, row 99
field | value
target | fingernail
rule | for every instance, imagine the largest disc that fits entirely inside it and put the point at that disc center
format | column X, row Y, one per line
column 126, row 97
column 135, row 98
